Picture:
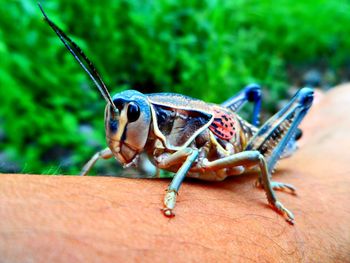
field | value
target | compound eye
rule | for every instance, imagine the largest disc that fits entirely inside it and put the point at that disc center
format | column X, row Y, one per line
column 133, row 112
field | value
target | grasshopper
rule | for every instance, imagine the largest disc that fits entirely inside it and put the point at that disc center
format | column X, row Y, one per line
column 189, row 137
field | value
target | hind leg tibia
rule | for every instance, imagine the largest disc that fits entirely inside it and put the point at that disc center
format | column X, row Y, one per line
column 251, row 159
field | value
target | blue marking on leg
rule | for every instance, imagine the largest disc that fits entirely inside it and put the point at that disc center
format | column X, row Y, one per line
column 253, row 94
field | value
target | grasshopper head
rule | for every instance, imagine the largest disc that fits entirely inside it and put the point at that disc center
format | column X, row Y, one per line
column 127, row 130
column 128, row 114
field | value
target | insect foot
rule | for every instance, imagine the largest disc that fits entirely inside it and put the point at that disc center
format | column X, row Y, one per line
column 169, row 203
column 283, row 187
column 277, row 186
column 284, row 211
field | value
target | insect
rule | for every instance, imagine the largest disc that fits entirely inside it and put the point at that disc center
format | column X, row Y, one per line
column 189, row 137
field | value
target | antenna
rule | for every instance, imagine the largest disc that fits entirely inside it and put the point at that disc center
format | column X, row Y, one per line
column 82, row 59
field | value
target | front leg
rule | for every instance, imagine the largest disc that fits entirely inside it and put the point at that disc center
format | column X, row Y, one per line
column 186, row 156
column 104, row 154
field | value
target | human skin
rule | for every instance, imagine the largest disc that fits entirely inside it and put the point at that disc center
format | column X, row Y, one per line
column 105, row 219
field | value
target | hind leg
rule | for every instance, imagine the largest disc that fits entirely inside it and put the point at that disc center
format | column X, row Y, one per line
column 275, row 135
column 279, row 132
column 251, row 159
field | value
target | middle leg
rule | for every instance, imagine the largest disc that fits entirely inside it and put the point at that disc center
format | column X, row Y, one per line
column 186, row 157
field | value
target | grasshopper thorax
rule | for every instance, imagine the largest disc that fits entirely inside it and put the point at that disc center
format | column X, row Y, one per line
column 127, row 130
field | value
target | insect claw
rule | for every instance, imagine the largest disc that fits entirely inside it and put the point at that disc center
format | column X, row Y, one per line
column 284, row 211
column 169, row 203
column 290, row 221
column 168, row 212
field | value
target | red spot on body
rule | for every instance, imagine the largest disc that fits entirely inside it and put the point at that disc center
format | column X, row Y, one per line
column 223, row 125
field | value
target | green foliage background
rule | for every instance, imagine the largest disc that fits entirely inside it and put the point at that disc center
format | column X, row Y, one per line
column 51, row 116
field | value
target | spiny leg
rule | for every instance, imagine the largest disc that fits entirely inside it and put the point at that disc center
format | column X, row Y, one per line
column 104, row 154
column 280, row 131
column 164, row 161
column 250, row 159
column 251, row 93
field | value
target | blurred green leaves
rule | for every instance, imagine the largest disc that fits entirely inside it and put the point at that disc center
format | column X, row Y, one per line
column 51, row 116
